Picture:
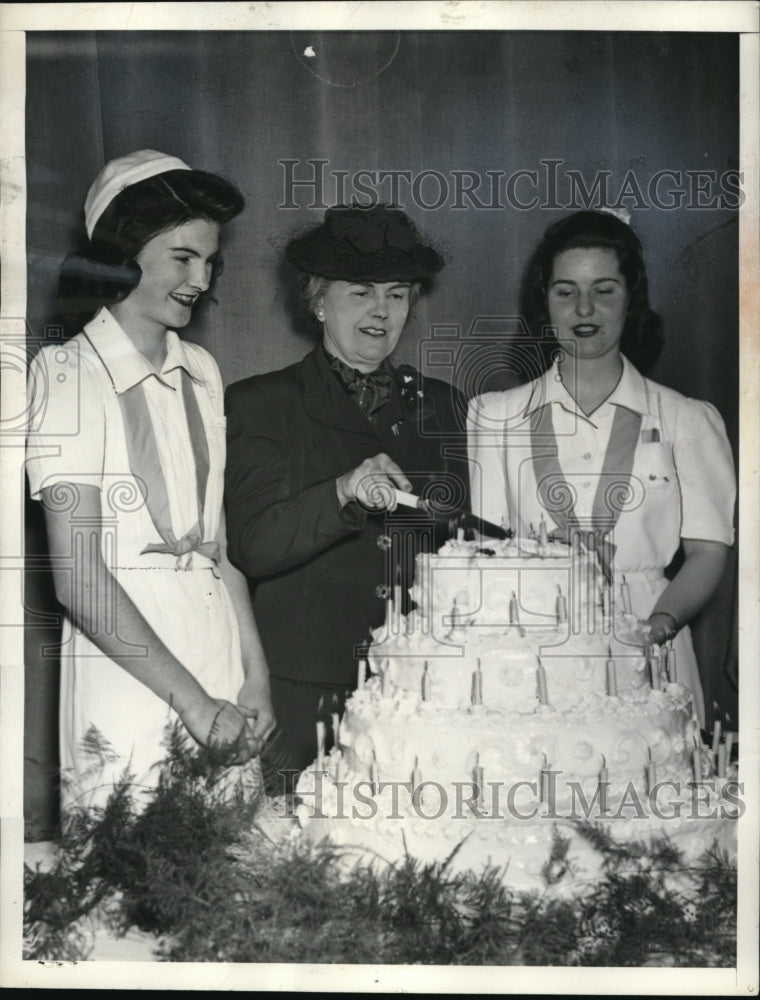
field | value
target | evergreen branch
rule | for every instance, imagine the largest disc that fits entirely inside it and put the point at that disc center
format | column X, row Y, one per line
column 192, row 868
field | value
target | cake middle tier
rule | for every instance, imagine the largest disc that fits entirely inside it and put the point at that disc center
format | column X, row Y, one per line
column 392, row 737
column 502, row 666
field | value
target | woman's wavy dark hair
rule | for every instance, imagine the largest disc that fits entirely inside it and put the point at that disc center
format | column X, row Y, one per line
column 642, row 338
column 107, row 271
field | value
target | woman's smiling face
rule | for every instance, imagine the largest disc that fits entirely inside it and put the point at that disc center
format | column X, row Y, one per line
column 587, row 301
column 177, row 266
column 363, row 320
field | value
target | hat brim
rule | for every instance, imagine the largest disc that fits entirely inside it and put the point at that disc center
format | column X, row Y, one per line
column 339, row 259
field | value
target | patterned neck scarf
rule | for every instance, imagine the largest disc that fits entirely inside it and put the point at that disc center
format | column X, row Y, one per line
column 371, row 390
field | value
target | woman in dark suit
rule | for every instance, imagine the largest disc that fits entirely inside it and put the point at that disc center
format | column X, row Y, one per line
column 314, row 453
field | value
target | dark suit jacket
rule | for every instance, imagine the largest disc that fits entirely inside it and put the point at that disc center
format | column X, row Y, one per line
column 315, row 569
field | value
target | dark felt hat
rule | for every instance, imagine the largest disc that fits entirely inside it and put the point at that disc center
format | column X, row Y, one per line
column 364, row 244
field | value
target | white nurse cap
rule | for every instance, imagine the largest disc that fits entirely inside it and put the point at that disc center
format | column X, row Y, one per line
column 122, row 173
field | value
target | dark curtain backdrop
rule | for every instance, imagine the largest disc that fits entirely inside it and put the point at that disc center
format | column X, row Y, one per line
column 241, row 103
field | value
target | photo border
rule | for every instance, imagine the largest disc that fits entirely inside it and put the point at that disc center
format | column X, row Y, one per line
column 590, row 15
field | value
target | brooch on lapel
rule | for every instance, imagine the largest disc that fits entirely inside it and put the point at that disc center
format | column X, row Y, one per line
column 418, row 405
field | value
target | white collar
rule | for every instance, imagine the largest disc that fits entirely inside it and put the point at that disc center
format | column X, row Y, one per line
column 125, row 365
column 630, row 391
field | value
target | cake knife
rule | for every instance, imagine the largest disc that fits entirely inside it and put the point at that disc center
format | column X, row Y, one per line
column 459, row 518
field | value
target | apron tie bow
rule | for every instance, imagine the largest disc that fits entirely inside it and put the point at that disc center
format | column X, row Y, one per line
column 145, row 465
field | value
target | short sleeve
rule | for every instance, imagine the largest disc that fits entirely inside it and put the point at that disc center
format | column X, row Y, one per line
column 706, row 474
column 66, row 438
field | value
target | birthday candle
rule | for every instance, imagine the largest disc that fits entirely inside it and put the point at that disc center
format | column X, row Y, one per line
column 478, row 779
column 384, row 681
column 361, row 680
column 729, row 746
column 320, row 737
column 374, row 776
column 546, row 786
column 603, row 786
column 672, row 672
column 654, row 671
column 416, row 776
column 663, row 662
column 651, row 773
column 543, row 695
column 696, row 760
column 543, row 534
column 716, row 736
column 514, row 611
column 425, row 683
column 477, row 686
column 611, row 675
column 388, row 615
column 561, row 606
column 460, row 534
column 722, row 760
column 336, row 728
column 625, row 593
column 605, row 601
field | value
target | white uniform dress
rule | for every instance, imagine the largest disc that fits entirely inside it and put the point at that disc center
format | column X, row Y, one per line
column 677, row 477
column 102, row 416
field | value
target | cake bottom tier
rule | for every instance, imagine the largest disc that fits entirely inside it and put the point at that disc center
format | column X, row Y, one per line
column 383, row 824
column 640, row 737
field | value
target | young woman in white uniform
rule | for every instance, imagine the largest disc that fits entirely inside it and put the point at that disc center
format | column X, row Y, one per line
column 126, row 453
column 593, row 445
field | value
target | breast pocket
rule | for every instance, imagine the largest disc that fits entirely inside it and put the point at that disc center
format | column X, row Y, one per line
column 655, row 467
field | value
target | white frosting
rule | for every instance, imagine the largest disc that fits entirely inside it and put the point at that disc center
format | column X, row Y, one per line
column 455, row 697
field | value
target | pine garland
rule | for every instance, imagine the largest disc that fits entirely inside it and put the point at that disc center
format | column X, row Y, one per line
column 192, row 869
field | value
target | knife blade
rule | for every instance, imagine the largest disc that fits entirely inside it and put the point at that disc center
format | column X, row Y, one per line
column 455, row 518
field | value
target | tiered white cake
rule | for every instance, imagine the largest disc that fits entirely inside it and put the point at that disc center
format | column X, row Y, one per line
column 510, row 702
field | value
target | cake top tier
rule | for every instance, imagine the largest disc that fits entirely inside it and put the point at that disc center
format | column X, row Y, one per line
column 518, row 581
column 512, row 548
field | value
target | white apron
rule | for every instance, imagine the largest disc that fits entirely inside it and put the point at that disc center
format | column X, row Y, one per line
column 649, row 467
column 155, row 446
